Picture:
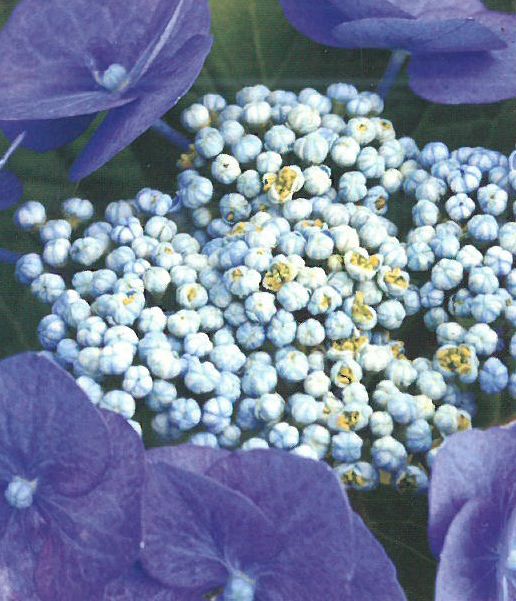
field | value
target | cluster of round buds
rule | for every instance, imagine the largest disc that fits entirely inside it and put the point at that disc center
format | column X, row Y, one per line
column 461, row 252
column 284, row 152
column 276, row 335
column 271, row 324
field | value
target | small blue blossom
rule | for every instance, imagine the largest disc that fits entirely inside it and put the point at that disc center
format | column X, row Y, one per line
column 388, row 454
column 493, row 376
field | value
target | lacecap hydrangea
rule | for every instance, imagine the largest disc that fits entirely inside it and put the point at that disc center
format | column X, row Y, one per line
column 461, row 252
column 271, row 324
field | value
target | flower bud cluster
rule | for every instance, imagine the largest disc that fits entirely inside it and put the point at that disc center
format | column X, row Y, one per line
column 461, row 252
column 275, row 321
column 273, row 147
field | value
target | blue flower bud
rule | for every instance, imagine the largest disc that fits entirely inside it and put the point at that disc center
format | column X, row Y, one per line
column 493, row 376
column 154, row 202
column 78, row 210
column 55, row 228
column 346, row 447
column 120, row 402
column 209, row 142
column 388, row 454
column 483, row 228
column 137, row 381
column 30, row 215
column 28, row 268
column 195, row 117
column 48, row 287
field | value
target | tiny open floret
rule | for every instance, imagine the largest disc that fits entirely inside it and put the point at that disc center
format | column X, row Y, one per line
column 134, row 60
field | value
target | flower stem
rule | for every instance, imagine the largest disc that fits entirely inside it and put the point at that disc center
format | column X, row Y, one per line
column 10, row 151
column 394, row 67
column 173, row 136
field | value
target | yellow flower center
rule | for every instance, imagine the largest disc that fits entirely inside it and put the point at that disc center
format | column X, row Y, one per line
column 360, row 311
column 283, row 183
column 352, row 478
column 396, row 278
column 187, row 159
column 239, row 229
column 464, row 423
column 348, row 420
column 280, row 274
column 191, row 295
column 237, row 275
column 398, row 350
column 456, row 359
column 370, row 264
column 346, row 376
column 350, row 344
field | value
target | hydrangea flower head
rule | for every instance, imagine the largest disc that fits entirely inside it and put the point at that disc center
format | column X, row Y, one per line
column 473, row 516
column 257, row 526
column 134, row 60
column 461, row 52
column 273, row 322
column 69, row 480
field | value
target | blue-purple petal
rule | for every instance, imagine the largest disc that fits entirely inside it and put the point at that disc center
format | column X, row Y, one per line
column 96, row 536
column 46, row 77
column 44, row 103
column 311, row 513
column 17, row 559
column 374, row 575
column 11, row 189
column 470, row 78
column 470, row 465
column 188, row 457
column 136, row 585
column 469, row 559
column 315, row 20
column 49, row 134
column 194, row 529
column 123, row 125
column 365, row 9
column 8, row 256
column 48, row 427
column 419, row 35
column 422, row 8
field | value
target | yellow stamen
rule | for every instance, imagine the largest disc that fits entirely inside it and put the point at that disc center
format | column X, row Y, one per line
column 351, row 478
column 354, row 344
column 398, row 350
column 464, row 423
column 396, row 278
column 187, row 159
column 280, row 274
column 237, row 274
column 239, row 229
column 348, row 420
column 360, row 311
column 370, row 264
column 456, row 359
column 380, row 203
column 283, row 183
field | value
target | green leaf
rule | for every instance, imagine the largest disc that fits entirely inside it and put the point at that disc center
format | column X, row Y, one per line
column 399, row 523
column 254, row 43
